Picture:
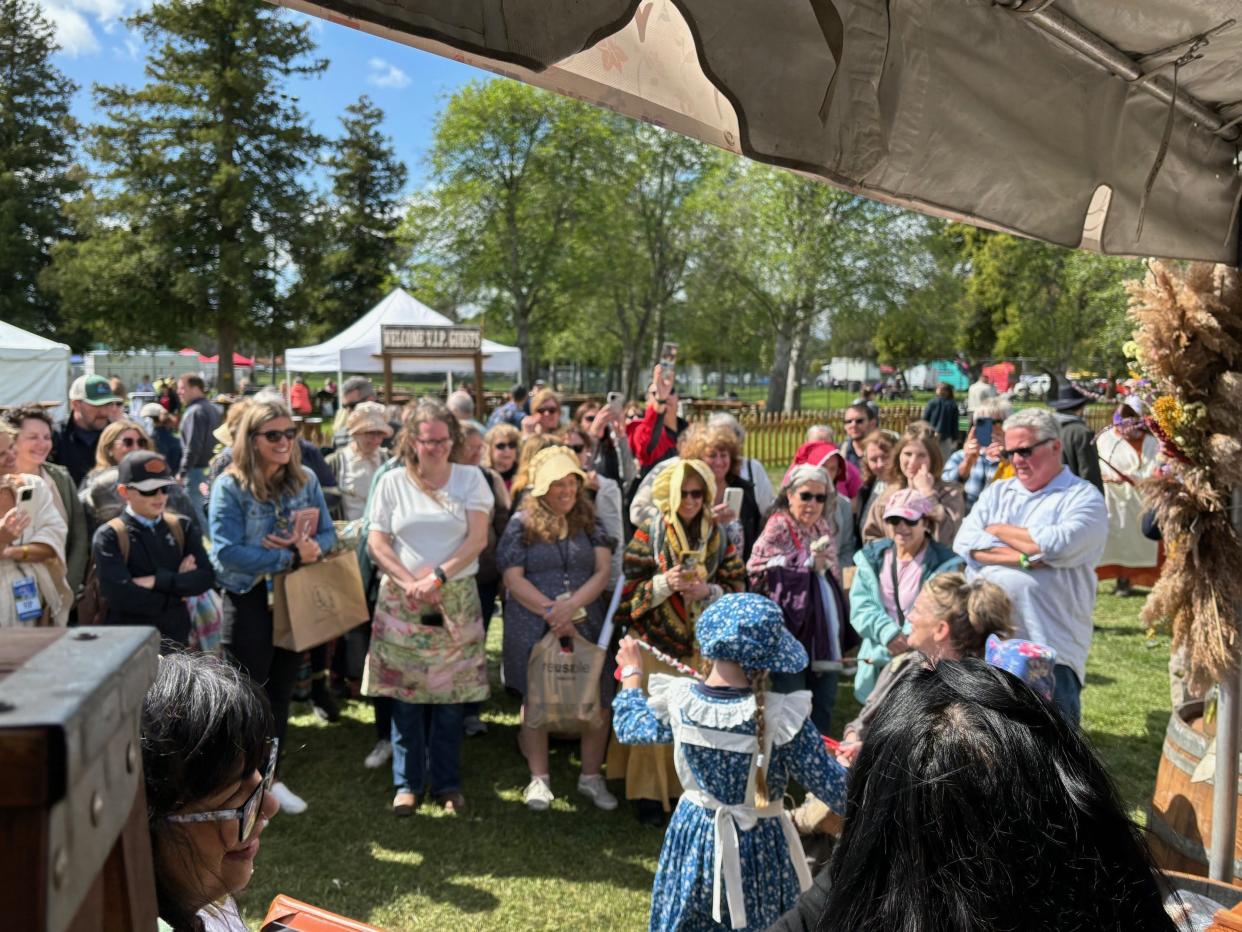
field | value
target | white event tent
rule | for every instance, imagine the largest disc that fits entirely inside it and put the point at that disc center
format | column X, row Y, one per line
column 32, row 368
column 357, row 347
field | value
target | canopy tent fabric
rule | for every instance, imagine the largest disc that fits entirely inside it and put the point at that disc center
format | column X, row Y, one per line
column 32, row 368
column 238, row 360
column 357, row 347
column 1046, row 119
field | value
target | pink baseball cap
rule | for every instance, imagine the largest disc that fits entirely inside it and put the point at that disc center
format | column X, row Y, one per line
column 908, row 504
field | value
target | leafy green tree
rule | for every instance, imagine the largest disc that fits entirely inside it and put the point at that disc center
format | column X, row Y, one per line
column 37, row 136
column 348, row 248
column 201, row 176
column 509, row 170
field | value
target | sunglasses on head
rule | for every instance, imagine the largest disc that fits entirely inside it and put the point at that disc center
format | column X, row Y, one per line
column 1025, row 452
column 813, row 497
column 692, row 493
column 504, row 445
column 247, row 814
column 275, row 436
column 894, row 521
column 151, row 493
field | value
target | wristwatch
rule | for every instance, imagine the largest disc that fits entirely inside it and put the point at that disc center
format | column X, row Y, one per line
column 630, row 670
column 441, row 578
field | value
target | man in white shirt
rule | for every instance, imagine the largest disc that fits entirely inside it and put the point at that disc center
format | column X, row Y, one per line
column 1039, row 537
column 978, row 394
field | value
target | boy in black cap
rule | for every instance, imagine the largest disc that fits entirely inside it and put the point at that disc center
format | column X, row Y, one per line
column 148, row 559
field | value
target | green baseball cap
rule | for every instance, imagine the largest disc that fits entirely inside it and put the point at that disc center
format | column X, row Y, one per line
column 93, row 389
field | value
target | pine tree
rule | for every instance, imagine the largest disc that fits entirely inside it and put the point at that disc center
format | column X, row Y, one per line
column 36, row 172
column 202, row 173
column 358, row 226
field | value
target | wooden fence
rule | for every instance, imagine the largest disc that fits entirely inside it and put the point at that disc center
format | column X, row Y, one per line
column 774, row 437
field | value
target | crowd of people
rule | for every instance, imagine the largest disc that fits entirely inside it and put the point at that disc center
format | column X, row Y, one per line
column 741, row 602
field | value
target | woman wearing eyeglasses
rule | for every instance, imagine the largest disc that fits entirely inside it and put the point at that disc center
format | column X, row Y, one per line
column 208, row 759
column 789, row 562
column 678, row 562
column 252, row 510
column 501, row 451
column 891, row 573
column 428, row 526
column 98, row 494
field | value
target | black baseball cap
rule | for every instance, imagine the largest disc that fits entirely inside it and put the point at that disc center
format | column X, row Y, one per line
column 144, row 470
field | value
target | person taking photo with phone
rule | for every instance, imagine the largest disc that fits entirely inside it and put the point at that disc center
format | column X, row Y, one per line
column 253, row 507
column 976, row 463
column 33, row 590
column 148, row 559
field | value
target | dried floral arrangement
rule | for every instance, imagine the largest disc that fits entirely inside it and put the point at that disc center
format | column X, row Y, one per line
column 1187, row 353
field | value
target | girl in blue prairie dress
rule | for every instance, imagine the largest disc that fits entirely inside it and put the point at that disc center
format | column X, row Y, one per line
column 731, row 856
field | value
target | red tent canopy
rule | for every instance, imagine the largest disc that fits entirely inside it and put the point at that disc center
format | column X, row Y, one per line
column 238, row 360
column 1001, row 375
column 189, row 352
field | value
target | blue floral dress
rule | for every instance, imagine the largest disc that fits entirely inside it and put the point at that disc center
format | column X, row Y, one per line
column 725, row 862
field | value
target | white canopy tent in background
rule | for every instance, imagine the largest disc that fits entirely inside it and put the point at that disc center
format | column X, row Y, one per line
column 357, row 347
column 32, row 368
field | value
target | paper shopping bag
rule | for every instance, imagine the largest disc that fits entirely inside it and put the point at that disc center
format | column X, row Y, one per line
column 562, row 686
column 315, row 604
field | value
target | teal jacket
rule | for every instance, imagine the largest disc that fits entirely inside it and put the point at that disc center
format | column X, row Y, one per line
column 867, row 615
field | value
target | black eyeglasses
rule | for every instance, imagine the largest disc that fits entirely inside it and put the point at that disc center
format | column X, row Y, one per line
column 895, row 520
column 692, row 493
column 151, row 493
column 812, row 497
column 1025, row 452
column 247, row 814
column 275, row 436
column 504, row 446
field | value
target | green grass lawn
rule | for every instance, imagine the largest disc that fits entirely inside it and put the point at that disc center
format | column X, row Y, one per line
column 574, row 867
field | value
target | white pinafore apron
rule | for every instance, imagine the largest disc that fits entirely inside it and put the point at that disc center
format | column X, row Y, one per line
column 727, row 866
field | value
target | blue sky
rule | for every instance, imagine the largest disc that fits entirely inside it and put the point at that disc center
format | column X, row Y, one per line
column 410, row 86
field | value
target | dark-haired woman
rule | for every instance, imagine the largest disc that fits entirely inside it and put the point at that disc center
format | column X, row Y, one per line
column 208, row 757
column 252, row 511
column 974, row 805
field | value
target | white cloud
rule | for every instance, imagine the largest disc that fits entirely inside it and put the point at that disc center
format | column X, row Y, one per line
column 75, row 31
column 384, row 74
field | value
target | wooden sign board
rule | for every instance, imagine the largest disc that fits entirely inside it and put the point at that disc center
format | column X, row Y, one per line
column 409, row 340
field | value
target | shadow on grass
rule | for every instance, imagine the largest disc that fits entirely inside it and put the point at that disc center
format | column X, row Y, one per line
column 1133, row 759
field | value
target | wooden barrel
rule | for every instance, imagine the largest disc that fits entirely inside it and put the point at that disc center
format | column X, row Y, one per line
column 1179, row 820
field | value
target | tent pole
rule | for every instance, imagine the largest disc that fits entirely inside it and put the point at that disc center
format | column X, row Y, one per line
column 1225, row 789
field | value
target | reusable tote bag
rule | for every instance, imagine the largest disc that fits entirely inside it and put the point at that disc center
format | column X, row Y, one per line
column 562, row 686
column 315, row 604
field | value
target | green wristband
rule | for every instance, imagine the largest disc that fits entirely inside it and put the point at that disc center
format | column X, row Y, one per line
column 1024, row 561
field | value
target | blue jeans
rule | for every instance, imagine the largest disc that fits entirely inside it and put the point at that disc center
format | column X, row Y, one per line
column 194, row 479
column 823, row 687
column 1067, row 693
column 426, row 738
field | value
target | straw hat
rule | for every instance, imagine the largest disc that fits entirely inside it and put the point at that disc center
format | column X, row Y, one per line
column 366, row 417
column 550, row 465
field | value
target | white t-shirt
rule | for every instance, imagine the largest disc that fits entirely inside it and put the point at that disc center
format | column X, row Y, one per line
column 425, row 530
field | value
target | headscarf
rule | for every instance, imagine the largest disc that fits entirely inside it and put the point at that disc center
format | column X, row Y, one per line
column 666, row 495
column 801, row 474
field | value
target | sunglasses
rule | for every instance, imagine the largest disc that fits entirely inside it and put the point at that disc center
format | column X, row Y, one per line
column 548, row 410
column 1025, row 452
column 130, row 443
column 151, row 493
column 692, row 493
column 894, row 521
column 247, row 814
column 812, row 497
column 577, row 447
column 275, row 436
column 855, row 420
column 504, row 446
column 588, row 418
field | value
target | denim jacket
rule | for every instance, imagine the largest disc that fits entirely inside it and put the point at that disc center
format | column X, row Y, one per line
column 239, row 522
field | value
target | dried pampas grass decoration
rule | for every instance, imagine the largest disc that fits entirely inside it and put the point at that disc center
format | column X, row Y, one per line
column 1189, row 346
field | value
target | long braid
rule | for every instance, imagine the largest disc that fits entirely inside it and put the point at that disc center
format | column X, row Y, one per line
column 758, row 684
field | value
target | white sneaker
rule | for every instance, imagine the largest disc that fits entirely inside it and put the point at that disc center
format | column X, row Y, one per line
column 538, row 795
column 379, row 756
column 290, row 801
column 594, row 789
